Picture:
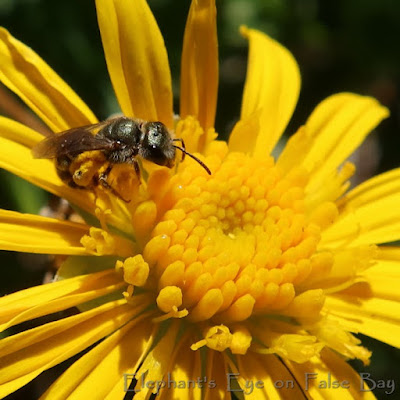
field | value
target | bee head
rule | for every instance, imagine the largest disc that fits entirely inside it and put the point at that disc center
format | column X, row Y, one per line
column 156, row 144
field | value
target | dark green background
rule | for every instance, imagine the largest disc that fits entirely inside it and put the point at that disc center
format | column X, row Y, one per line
column 342, row 45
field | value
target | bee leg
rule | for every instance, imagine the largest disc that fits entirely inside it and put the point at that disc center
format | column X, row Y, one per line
column 137, row 168
column 103, row 181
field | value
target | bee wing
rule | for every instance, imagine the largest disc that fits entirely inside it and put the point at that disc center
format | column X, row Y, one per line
column 72, row 142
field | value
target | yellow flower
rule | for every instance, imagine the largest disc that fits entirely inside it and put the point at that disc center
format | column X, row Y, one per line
column 263, row 270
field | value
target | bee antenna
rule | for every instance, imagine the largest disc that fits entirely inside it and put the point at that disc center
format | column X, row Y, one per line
column 183, row 150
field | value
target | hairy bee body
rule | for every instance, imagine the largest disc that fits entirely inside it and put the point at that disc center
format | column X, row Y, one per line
column 85, row 156
column 83, row 170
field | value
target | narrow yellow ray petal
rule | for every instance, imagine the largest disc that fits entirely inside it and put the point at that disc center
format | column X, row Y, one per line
column 373, row 189
column 35, row 234
column 272, row 89
column 383, row 277
column 317, row 377
column 108, row 24
column 137, row 59
column 62, row 303
column 19, row 133
column 29, row 338
column 216, row 367
column 265, row 377
column 376, row 223
column 155, row 365
column 244, row 134
column 16, row 384
column 114, row 363
column 103, row 366
column 199, row 66
column 27, row 354
column 126, row 380
column 188, row 368
column 28, row 76
column 338, row 368
column 374, row 317
column 18, row 302
column 336, row 127
column 369, row 213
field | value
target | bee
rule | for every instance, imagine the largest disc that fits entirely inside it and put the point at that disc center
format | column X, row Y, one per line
column 86, row 155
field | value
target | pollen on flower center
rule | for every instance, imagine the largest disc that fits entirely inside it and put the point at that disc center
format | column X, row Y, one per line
column 237, row 242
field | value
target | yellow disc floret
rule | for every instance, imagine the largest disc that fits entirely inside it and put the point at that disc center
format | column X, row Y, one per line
column 239, row 242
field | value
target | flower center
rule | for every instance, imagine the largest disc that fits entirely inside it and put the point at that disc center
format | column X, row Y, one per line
column 235, row 243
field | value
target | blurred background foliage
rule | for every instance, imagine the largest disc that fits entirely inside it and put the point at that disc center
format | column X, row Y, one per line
column 341, row 45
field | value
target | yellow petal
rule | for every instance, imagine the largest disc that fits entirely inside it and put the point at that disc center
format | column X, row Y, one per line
column 187, row 368
column 266, row 377
column 17, row 302
column 103, row 366
column 28, row 76
column 383, row 277
column 36, row 234
column 342, row 371
column 375, row 188
column 157, row 362
column 244, row 134
column 136, row 58
column 27, row 354
column 199, row 70
column 19, row 133
column 369, row 214
column 89, row 287
column 126, row 380
column 216, row 370
column 374, row 317
column 318, row 376
column 272, row 89
column 336, row 127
